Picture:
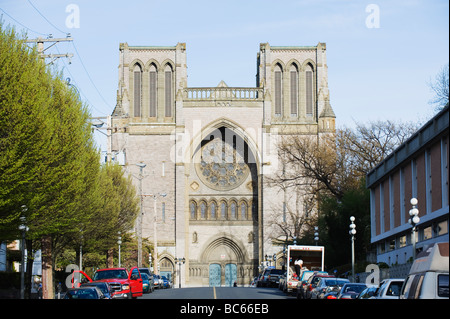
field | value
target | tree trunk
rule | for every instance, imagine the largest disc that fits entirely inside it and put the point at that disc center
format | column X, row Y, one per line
column 47, row 271
column 110, row 258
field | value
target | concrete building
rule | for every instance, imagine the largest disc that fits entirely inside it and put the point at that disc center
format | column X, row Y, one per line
column 416, row 169
column 208, row 149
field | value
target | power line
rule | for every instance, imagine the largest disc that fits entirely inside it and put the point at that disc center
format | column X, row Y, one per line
column 22, row 24
column 45, row 18
column 79, row 56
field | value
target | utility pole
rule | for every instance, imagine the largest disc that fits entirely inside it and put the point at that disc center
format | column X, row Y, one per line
column 46, row 248
column 40, row 46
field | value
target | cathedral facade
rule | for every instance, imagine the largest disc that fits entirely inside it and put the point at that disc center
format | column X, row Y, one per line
column 199, row 155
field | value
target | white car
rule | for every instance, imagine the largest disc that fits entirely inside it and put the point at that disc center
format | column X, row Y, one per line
column 389, row 289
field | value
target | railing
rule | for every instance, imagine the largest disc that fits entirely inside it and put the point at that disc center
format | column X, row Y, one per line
column 223, row 93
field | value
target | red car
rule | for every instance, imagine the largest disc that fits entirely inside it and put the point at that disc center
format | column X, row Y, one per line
column 123, row 284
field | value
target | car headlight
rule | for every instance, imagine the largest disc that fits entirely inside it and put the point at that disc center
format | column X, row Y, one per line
column 125, row 287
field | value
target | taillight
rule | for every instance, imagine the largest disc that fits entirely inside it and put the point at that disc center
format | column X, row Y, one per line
column 331, row 297
column 310, row 287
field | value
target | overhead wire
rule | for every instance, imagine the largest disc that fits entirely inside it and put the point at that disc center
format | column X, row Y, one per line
column 40, row 33
column 78, row 54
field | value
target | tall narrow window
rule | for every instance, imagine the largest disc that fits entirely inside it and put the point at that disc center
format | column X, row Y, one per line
column 243, row 211
column 163, row 212
column 223, row 210
column 153, row 90
column 278, row 87
column 168, row 90
column 309, row 90
column 213, row 210
column 137, row 72
column 193, row 210
column 203, row 210
column 294, row 89
column 233, row 210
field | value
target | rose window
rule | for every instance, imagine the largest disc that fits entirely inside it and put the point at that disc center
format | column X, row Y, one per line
column 221, row 166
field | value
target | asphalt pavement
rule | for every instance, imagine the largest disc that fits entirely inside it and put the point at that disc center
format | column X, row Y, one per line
column 218, row 293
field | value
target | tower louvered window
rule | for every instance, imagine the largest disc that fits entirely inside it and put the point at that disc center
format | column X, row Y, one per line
column 278, row 94
column 137, row 90
column 294, row 90
column 168, row 91
column 153, row 91
column 309, row 91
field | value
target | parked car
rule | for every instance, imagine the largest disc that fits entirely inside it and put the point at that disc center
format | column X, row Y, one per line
column 304, row 290
column 324, row 283
column 389, row 289
column 103, row 286
column 166, row 282
column 367, row 293
column 84, row 293
column 146, row 288
column 350, row 290
column 428, row 276
column 151, row 286
column 157, row 281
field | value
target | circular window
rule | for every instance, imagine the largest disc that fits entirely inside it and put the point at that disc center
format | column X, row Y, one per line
column 220, row 166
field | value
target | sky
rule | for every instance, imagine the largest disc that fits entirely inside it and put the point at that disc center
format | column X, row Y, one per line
column 381, row 55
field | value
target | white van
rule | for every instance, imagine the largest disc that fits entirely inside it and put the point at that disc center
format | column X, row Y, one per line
column 428, row 276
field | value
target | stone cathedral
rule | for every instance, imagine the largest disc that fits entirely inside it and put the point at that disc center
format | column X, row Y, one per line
column 206, row 152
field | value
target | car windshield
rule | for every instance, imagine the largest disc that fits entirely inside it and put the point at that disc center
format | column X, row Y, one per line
column 276, row 271
column 111, row 274
column 354, row 288
column 102, row 287
column 81, row 294
column 335, row 282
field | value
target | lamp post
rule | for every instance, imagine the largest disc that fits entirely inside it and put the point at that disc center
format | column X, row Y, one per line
column 179, row 262
column 23, row 227
column 119, row 242
column 155, row 237
column 139, row 225
column 316, row 234
column 352, row 233
column 414, row 220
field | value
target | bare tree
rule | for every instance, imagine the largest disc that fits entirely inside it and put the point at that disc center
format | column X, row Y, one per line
column 440, row 87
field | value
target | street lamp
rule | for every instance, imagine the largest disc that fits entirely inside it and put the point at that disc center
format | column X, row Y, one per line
column 179, row 262
column 316, row 234
column 155, row 237
column 139, row 226
column 352, row 233
column 23, row 227
column 414, row 220
column 119, row 242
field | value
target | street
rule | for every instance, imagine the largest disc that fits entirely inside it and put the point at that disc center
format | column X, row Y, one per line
column 218, row 293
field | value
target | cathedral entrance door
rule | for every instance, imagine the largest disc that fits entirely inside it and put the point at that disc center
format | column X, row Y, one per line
column 230, row 275
column 214, row 275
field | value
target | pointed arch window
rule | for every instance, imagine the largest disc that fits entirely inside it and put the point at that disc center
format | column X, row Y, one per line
column 137, row 87
column 309, row 89
column 293, row 74
column 168, row 90
column 233, row 210
column 203, row 210
column 153, row 84
column 193, row 210
column 278, row 89
column 243, row 211
column 212, row 208
column 223, row 210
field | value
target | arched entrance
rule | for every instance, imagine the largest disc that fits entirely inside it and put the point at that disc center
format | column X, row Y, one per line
column 166, row 268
